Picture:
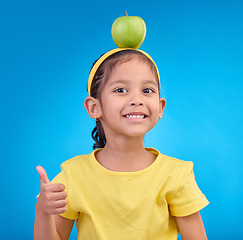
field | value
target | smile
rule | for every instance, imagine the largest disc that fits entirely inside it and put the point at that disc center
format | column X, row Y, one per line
column 135, row 116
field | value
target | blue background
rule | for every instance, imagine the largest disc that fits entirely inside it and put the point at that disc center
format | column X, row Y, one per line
column 46, row 51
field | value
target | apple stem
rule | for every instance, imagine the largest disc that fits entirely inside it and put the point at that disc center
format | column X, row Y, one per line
column 126, row 12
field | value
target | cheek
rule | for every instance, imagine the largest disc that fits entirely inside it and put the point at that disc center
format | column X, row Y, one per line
column 154, row 105
column 110, row 105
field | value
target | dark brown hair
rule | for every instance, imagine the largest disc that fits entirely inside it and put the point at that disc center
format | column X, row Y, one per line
column 101, row 77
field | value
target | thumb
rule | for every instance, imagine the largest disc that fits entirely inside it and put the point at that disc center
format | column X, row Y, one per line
column 42, row 174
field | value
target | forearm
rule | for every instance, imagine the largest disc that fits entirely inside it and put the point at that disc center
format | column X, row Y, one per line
column 45, row 227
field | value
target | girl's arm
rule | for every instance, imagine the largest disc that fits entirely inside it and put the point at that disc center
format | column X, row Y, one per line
column 64, row 226
column 52, row 201
column 191, row 227
column 52, row 227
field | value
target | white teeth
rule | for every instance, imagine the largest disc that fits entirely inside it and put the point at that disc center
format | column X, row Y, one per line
column 135, row 116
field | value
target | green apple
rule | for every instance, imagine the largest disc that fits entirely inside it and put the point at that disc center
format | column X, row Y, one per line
column 128, row 31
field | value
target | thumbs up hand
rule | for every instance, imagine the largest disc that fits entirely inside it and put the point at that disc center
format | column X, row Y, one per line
column 52, row 198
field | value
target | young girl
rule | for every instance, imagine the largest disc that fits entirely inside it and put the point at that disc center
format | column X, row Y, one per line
column 122, row 190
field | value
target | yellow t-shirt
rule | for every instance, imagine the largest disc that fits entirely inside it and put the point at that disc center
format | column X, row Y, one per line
column 129, row 205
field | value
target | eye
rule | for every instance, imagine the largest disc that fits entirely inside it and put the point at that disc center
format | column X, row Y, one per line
column 148, row 90
column 120, row 90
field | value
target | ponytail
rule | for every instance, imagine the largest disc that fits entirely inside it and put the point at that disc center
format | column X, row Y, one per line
column 98, row 135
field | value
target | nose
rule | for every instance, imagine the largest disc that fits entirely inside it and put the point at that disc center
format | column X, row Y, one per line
column 136, row 103
column 136, row 100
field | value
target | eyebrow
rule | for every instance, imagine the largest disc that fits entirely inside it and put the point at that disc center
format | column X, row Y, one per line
column 151, row 82
column 119, row 82
column 125, row 82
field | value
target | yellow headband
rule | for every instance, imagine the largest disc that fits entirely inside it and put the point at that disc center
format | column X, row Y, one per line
column 105, row 56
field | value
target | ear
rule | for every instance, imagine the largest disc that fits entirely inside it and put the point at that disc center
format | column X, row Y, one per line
column 162, row 103
column 92, row 106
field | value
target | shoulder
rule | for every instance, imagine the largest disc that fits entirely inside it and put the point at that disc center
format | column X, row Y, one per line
column 172, row 169
column 74, row 169
column 176, row 164
column 176, row 169
column 171, row 163
column 77, row 162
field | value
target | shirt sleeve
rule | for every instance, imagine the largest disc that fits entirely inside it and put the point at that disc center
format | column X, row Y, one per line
column 63, row 177
column 188, row 198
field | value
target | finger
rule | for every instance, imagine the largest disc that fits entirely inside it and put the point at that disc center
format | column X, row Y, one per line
column 42, row 174
column 60, row 196
column 61, row 203
column 58, row 211
column 56, row 196
column 56, row 187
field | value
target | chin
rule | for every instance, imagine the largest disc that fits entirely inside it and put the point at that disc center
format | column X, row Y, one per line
column 136, row 134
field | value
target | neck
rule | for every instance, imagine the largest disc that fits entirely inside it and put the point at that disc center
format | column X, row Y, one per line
column 126, row 154
column 125, row 145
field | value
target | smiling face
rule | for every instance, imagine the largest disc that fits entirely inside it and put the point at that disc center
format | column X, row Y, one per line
column 130, row 104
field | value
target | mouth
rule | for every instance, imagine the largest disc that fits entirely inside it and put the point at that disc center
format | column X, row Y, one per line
column 135, row 116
